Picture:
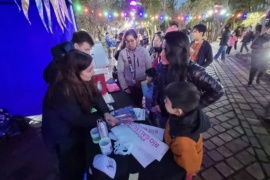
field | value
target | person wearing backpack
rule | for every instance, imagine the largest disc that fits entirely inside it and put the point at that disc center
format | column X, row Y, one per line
column 81, row 41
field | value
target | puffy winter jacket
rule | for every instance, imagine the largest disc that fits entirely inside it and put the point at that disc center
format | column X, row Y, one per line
column 210, row 88
column 258, row 51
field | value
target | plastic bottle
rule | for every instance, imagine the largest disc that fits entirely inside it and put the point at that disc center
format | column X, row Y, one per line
column 102, row 128
column 99, row 86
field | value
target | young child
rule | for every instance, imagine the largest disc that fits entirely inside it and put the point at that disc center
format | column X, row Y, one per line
column 185, row 125
column 148, row 93
column 232, row 41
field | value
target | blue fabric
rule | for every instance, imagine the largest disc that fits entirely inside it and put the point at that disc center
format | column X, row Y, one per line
column 107, row 41
column 222, row 52
column 148, row 94
column 25, row 52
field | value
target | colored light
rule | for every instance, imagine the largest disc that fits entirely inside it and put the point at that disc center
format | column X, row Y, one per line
column 228, row 14
column 216, row 11
column 145, row 15
column 223, row 12
column 100, row 14
column 238, row 15
column 133, row 3
column 78, row 7
column 86, row 10
column 179, row 17
column 105, row 13
column 122, row 14
column 232, row 15
column 210, row 12
column 132, row 14
column 115, row 14
column 199, row 17
column 166, row 17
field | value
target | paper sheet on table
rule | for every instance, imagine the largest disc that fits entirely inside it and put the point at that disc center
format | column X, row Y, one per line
column 147, row 147
column 156, row 131
column 140, row 114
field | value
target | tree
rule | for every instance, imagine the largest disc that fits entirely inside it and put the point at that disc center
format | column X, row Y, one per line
column 95, row 24
column 192, row 7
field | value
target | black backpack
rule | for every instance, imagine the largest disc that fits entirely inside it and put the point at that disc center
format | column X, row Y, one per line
column 11, row 125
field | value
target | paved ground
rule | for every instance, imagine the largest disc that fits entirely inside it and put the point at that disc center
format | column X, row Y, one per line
column 236, row 147
column 238, row 144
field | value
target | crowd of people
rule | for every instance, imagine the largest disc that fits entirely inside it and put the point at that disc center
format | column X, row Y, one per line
column 178, row 87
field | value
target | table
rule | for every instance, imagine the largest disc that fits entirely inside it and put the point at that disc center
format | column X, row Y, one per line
column 166, row 169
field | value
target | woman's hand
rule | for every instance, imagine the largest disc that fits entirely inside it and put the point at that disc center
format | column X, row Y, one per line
column 112, row 121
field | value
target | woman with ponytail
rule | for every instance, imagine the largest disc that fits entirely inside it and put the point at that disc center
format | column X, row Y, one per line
column 176, row 66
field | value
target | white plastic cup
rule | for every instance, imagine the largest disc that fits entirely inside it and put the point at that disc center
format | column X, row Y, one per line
column 105, row 145
column 95, row 135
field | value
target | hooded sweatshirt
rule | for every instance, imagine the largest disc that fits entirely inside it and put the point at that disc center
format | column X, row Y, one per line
column 58, row 52
column 183, row 136
column 140, row 61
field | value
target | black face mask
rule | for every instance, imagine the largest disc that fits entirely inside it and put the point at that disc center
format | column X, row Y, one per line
column 158, row 49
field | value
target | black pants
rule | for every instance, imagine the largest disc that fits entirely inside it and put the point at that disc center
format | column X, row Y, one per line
column 136, row 94
column 244, row 45
column 257, row 66
column 166, row 169
column 235, row 45
column 228, row 50
column 72, row 160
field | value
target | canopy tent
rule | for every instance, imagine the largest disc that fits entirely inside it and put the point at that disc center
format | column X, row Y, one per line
column 25, row 52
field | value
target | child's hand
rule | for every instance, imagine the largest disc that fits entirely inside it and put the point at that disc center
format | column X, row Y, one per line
column 189, row 176
column 157, row 109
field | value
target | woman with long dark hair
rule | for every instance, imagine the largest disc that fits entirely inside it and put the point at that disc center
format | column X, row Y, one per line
column 132, row 62
column 68, row 111
column 176, row 66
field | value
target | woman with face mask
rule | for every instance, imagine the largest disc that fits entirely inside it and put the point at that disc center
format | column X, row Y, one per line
column 156, row 59
column 68, row 113
column 176, row 66
column 133, row 60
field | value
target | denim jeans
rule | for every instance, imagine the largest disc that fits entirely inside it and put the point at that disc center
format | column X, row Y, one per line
column 222, row 52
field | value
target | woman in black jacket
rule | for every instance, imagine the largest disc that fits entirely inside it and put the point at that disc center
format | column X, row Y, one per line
column 178, row 68
column 69, row 110
column 260, row 56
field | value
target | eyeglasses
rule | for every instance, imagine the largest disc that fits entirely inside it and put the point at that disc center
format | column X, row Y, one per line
column 129, row 41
